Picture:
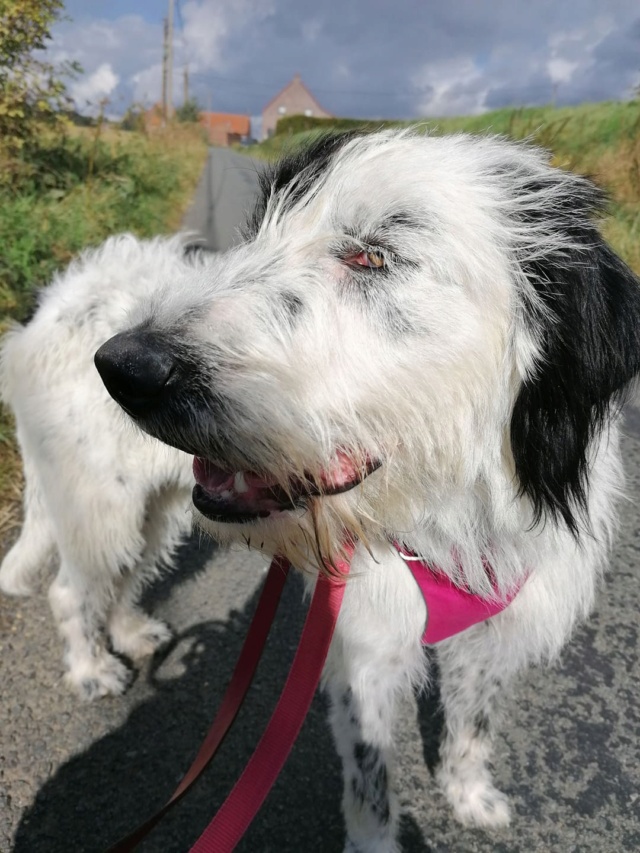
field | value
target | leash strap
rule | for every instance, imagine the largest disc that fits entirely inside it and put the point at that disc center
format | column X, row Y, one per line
column 231, row 701
column 236, row 813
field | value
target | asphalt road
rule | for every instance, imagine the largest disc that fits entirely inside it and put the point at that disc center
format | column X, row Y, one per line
column 75, row 777
column 225, row 194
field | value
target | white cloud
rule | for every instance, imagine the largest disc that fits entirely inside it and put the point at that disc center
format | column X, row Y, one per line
column 561, row 70
column 133, row 46
column 122, row 47
column 146, row 85
column 452, row 87
column 208, row 27
column 98, row 85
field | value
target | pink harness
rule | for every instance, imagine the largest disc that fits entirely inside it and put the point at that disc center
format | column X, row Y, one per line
column 450, row 608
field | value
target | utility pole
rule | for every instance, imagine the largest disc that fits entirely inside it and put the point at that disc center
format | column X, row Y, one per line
column 170, row 63
column 165, row 59
column 186, row 83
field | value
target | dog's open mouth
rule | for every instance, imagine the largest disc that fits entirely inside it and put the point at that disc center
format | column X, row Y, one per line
column 242, row 496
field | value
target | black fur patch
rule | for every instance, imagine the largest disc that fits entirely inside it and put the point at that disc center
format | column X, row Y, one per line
column 293, row 305
column 371, row 785
column 297, row 173
column 590, row 352
column 481, row 725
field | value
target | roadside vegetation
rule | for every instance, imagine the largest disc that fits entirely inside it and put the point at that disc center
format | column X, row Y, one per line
column 84, row 185
column 64, row 187
column 599, row 140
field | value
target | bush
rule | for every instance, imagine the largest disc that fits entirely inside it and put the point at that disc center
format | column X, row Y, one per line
column 31, row 90
column 133, row 119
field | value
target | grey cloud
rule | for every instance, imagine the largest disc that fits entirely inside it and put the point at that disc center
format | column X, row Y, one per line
column 366, row 57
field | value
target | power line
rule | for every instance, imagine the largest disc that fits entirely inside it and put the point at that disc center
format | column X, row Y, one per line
column 248, row 84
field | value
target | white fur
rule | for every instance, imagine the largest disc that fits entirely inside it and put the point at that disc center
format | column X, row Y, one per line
column 107, row 501
column 422, row 372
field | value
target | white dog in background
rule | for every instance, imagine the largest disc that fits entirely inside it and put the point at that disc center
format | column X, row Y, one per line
column 422, row 341
column 109, row 502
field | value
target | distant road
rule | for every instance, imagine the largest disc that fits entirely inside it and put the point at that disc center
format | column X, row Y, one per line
column 225, row 194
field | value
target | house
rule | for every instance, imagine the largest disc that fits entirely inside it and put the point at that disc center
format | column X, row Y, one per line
column 225, row 128
column 294, row 99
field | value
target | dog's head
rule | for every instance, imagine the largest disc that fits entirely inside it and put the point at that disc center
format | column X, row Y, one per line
column 410, row 321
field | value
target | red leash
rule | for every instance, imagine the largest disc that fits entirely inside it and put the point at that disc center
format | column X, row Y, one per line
column 238, row 810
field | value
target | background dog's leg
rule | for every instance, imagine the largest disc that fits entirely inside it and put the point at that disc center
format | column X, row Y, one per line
column 79, row 602
column 36, row 543
column 133, row 632
column 375, row 657
column 473, row 672
column 100, row 541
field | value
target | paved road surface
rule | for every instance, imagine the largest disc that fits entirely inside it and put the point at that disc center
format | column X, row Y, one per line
column 225, row 193
column 74, row 777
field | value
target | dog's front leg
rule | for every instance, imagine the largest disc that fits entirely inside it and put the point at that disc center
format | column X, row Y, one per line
column 375, row 657
column 474, row 668
column 369, row 802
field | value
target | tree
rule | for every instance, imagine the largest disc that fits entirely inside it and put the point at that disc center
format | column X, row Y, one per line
column 31, row 88
column 189, row 111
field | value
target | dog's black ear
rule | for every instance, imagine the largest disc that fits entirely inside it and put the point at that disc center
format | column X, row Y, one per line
column 588, row 322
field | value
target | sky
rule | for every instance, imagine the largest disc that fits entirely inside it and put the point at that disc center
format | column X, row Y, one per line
column 360, row 58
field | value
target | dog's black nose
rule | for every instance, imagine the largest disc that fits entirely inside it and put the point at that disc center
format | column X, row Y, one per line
column 135, row 368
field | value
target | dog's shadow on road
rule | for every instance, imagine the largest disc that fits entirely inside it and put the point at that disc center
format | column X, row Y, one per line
column 102, row 794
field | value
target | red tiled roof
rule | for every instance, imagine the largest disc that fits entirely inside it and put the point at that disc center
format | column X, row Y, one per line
column 232, row 123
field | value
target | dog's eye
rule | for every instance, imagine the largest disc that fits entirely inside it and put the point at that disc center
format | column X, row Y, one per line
column 370, row 259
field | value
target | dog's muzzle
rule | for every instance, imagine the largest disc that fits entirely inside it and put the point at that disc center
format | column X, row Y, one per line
column 137, row 369
column 142, row 374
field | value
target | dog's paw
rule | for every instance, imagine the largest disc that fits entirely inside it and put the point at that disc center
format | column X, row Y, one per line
column 106, row 676
column 137, row 636
column 475, row 800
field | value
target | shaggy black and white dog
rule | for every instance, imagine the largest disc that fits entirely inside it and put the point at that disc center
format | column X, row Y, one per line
column 421, row 341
